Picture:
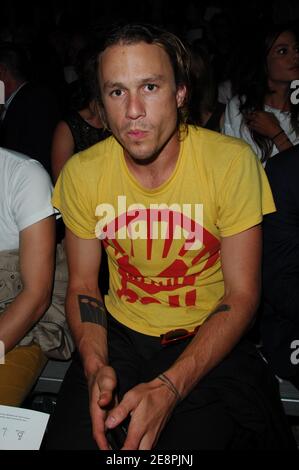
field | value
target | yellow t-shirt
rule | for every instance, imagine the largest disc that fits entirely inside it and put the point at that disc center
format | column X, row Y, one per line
column 164, row 263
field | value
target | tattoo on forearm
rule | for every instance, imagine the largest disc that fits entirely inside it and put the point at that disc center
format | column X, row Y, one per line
column 92, row 310
column 220, row 309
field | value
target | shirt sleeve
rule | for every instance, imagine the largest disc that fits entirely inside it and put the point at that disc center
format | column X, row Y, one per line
column 72, row 198
column 232, row 119
column 245, row 194
column 31, row 194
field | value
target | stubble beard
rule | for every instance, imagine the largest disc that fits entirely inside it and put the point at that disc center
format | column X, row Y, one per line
column 151, row 157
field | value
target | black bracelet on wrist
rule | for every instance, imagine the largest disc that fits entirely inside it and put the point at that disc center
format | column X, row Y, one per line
column 170, row 385
column 283, row 141
column 276, row 135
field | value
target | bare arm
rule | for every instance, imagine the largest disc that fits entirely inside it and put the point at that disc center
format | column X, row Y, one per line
column 241, row 255
column 87, row 319
column 267, row 124
column 84, row 257
column 281, row 141
column 152, row 403
column 37, row 244
column 63, row 148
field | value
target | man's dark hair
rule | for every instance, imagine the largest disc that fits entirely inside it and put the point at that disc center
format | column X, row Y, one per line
column 15, row 58
column 177, row 52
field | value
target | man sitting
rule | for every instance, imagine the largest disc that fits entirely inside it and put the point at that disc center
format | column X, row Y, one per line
column 26, row 223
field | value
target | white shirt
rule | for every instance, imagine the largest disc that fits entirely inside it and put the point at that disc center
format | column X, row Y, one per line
column 234, row 126
column 224, row 91
column 9, row 100
column 25, row 196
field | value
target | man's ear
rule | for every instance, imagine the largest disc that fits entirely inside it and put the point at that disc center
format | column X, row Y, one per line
column 181, row 95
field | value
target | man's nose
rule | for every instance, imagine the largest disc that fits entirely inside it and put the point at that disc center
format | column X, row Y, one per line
column 135, row 106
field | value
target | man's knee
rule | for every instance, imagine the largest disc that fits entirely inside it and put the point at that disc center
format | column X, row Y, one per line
column 206, row 428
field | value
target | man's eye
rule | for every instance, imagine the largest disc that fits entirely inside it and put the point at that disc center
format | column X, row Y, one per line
column 282, row 51
column 150, row 86
column 116, row 93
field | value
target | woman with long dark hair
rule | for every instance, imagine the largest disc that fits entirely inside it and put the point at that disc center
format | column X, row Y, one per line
column 204, row 107
column 262, row 113
column 82, row 126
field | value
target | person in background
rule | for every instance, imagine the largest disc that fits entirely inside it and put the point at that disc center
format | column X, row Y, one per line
column 82, row 126
column 262, row 113
column 27, row 225
column 279, row 319
column 165, row 358
column 31, row 111
column 204, row 109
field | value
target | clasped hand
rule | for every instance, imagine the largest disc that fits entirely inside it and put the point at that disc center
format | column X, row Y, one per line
column 149, row 406
column 263, row 122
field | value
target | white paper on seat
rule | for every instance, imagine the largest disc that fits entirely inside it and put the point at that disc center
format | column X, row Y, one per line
column 21, row 429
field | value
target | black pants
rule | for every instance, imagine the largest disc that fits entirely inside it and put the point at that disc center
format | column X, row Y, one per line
column 236, row 406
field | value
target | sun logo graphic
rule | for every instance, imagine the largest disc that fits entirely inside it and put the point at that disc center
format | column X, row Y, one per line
column 159, row 221
column 164, row 238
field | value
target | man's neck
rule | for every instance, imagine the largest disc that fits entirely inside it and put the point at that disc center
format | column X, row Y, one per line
column 154, row 174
